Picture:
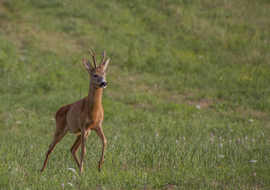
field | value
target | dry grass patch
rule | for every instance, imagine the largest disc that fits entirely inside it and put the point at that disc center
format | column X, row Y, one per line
column 23, row 34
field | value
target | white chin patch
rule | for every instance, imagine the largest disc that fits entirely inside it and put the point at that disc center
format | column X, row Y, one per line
column 103, row 86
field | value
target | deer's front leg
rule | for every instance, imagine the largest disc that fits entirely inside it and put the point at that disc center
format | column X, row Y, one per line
column 104, row 143
column 83, row 148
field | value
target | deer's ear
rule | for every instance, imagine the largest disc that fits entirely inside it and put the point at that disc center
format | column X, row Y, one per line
column 105, row 64
column 87, row 65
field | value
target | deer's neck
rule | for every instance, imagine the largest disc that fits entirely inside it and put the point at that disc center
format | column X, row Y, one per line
column 94, row 97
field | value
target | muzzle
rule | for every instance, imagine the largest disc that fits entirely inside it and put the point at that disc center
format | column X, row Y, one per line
column 103, row 84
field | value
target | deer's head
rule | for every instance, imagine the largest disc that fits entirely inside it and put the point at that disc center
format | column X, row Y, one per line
column 97, row 74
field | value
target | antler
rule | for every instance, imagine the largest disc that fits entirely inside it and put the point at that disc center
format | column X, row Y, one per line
column 93, row 56
column 104, row 55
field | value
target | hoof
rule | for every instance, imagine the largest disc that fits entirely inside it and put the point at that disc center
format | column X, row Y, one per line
column 99, row 166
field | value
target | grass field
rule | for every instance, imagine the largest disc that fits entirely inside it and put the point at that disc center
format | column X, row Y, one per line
column 187, row 104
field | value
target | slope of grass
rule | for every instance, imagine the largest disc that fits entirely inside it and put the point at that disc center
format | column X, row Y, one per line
column 187, row 104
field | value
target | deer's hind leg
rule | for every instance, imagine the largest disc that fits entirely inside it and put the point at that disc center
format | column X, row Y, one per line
column 59, row 134
column 75, row 148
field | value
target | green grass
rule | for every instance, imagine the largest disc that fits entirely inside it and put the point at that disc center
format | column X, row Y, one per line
column 166, row 58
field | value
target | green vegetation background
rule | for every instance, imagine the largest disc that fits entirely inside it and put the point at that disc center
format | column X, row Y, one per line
column 187, row 104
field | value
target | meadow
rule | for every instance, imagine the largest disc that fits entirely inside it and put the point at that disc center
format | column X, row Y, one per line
column 187, row 103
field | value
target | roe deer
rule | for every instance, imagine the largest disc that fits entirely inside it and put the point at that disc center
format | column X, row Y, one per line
column 84, row 115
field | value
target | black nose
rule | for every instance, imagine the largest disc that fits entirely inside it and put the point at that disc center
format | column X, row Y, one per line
column 103, row 84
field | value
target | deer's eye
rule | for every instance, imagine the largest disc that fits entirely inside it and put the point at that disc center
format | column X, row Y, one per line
column 95, row 75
